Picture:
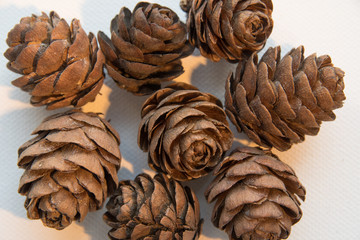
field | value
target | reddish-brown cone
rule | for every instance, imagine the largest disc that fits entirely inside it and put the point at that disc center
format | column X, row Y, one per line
column 276, row 102
column 184, row 130
column 256, row 196
column 145, row 48
column 70, row 167
column 62, row 66
column 156, row 208
column 229, row 29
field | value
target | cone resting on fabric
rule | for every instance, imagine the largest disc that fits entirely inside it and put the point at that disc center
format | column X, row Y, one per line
column 70, row 167
column 278, row 101
column 62, row 66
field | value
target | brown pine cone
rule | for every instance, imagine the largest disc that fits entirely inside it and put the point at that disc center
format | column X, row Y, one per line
column 61, row 65
column 156, row 208
column 70, row 167
column 145, row 48
column 184, row 130
column 255, row 196
column 228, row 29
column 276, row 102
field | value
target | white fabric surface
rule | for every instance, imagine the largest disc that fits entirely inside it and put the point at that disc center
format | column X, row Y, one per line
column 328, row 164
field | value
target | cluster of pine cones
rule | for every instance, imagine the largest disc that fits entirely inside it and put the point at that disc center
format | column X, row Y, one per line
column 70, row 166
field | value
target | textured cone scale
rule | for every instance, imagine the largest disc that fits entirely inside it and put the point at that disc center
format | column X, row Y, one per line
column 229, row 29
column 62, row 66
column 256, row 196
column 70, row 167
column 156, row 208
column 184, row 130
column 276, row 102
column 145, row 48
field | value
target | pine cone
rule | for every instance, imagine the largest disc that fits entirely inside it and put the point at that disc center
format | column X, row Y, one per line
column 278, row 101
column 184, row 130
column 255, row 196
column 229, row 29
column 156, row 208
column 70, row 167
column 61, row 65
column 145, row 47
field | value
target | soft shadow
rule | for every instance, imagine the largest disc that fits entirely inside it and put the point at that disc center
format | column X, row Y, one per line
column 199, row 186
column 25, row 121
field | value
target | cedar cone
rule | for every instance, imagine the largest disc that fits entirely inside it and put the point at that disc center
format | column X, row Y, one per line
column 70, row 167
column 229, row 29
column 276, row 102
column 145, row 47
column 184, row 130
column 61, row 65
column 156, row 208
column 255, row 196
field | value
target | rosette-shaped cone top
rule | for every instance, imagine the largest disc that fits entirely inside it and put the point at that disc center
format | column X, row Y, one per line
column 156, row 208
column 276, row 102
column 184, row 130
column 229, row 29
column 256, row 196
column 70, row 167
column 145, row 48
column 62, row 66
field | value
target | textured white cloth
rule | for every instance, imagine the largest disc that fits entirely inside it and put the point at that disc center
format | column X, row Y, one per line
column 328, row 164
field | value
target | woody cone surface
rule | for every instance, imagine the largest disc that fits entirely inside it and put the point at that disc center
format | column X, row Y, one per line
column 229, row 29
column 156, row 208
column 184, row 130
column 62, row 66
column 276, row 102
column 256, row 196
column 70, row 167
column 145, row 48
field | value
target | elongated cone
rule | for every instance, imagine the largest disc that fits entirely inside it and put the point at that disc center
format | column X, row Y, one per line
column 184, row 130
column 70, row 167
column 60, row 63
column 145, row 48
column 256, row 196
column 228, row 29
column 276, row 102
column 156, row 208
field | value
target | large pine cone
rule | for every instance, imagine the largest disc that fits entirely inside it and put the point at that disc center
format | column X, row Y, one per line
column 229, row 29
column 255, row 196
column 184, row 130
column 61, row 65
column 70, row 167
column 145, row 47
column 276, row 102
column 156, row 208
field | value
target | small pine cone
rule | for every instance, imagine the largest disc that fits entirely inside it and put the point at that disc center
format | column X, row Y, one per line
column 276, row 102
column 229, row 29
column 145, row 47
column 184, row 130
column 156, row 208
column 255, row 196
column 62, row 66
column 70, row 167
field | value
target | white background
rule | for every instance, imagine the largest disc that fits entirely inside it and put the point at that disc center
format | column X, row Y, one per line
column 328, row 164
